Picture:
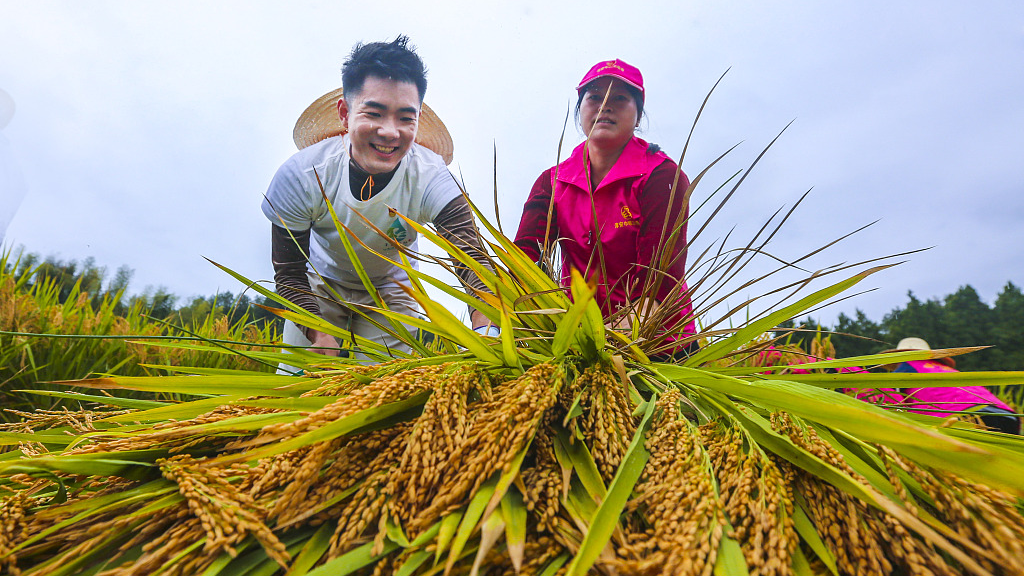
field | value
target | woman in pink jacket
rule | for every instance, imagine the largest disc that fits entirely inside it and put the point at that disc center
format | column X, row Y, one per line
column 614, row 205
column 943, row 402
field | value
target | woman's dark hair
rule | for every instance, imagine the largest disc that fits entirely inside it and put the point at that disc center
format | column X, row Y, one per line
column 634, row 91
column 393, row 60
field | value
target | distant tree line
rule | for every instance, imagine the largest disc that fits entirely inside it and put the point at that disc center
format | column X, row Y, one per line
column 161, row 304
column 958, row 320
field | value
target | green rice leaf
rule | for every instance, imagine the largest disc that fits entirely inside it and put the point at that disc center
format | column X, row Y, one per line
column 302, row 404
column 555, row 565
column 329, row 431
column 505, row 480
column 488, row 276
column 49, row 437
column 470, row 519
column 446, row 531
column 251, row 385
column 394, row 531
column 180, row 411
column 508, row 342
column 801, row 567
column 837, row 410
column 580, row 504
column 445, row 324
column 569, row 325
column 730, row 560
column 607, row 517
column 344, row 233
column 805, row 528
column 514, row 514
column 78, row 465
column 582, row 461
column 903, row 379
column 108, row 400
column 591, row 333
column 312, row 550
column 416, row 560
column 353, row 560
column 493, row 528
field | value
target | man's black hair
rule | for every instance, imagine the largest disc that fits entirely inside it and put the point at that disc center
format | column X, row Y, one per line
column 394, row 60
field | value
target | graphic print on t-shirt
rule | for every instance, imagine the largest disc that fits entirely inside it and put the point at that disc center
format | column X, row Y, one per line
column 397, row 231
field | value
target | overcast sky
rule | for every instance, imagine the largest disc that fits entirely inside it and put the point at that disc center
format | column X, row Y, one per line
column 146, row 132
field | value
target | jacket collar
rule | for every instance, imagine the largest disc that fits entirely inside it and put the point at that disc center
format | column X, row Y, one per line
column 632, row 162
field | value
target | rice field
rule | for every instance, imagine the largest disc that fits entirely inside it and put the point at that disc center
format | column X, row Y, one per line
column 47, row 336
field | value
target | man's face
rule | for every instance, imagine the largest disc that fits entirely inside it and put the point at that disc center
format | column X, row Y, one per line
column 382, row 119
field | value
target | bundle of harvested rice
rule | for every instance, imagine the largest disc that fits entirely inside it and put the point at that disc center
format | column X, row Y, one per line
column 557, row 448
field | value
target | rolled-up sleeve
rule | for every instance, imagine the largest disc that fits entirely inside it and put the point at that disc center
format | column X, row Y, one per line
column 288, row 253
column 455, row 224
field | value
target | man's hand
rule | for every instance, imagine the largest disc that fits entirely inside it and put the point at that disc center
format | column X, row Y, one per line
column 625, row 322
column 482, row 325
column 478, row 320
column 323, row 343
column 636, row 314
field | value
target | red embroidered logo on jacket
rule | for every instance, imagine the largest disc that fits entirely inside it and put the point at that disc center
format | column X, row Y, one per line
column 627, row 216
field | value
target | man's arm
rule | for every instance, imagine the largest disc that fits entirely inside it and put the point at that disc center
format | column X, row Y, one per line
column 455, row 224
column 289, row 258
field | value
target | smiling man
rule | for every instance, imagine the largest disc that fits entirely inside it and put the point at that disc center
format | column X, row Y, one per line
column 360, row 143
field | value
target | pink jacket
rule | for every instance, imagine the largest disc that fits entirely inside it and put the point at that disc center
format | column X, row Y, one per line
column 931, row 401
column 631, row 205
column 940, row 402
column 944, row 399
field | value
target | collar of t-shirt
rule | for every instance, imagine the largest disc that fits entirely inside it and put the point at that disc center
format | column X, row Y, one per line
column 364, row 185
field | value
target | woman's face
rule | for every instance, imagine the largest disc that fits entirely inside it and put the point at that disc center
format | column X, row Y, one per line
column 612, row 124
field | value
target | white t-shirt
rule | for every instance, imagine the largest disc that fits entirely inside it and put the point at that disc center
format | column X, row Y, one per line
column 421, row 187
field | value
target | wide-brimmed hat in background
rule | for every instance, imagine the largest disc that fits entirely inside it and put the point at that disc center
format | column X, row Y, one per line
column 912, row 344
column 321, row 121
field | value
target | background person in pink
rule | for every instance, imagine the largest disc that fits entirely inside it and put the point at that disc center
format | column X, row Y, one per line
column 613, row 209
column 941, row 402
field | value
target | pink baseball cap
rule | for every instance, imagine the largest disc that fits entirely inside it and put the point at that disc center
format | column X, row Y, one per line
column 617, row 69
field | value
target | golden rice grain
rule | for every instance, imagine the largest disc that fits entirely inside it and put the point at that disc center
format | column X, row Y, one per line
column 680, row 500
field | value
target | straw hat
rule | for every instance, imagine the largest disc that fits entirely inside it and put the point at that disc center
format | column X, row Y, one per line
column 321, row 121
column 912, row 344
